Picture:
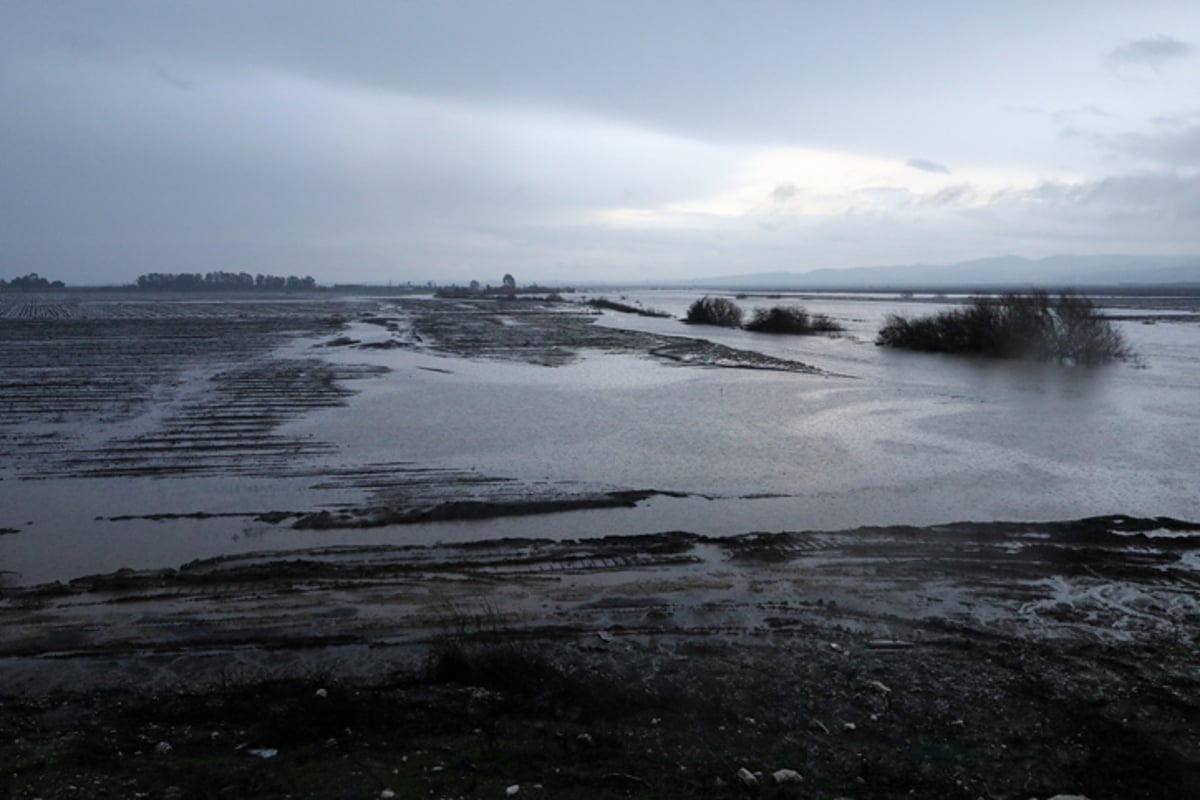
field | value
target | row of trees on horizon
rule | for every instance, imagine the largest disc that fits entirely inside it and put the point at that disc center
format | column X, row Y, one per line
column 223, row 281
column 31, row 281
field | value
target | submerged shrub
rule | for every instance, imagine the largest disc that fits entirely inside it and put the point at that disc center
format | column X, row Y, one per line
column 714, row 311
column 794, row 319
column 1066, row 329
column 625, row 308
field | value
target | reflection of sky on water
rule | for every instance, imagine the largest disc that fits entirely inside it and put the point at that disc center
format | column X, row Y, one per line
column 905, row 438
column 908, row 438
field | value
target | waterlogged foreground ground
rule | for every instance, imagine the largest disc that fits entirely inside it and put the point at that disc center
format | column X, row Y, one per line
column 416, row 547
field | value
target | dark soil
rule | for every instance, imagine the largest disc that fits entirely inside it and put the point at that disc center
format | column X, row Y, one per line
column 997, row 660
column 954, row 719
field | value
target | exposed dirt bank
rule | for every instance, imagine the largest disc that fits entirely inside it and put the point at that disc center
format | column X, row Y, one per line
column 971, row 660
column 554, row 333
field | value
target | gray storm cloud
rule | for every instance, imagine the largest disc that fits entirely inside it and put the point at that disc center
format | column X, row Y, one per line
column 388, row 141
column 1152, row 50
column 925, row 165
column 783, row 192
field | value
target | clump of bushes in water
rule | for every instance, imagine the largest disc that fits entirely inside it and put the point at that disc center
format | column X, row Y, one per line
column 1066, row 329
column 780, row 319
column 714, row 311
column 790, row 319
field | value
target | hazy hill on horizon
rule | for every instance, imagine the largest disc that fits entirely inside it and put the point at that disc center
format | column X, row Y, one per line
column 1053, row 271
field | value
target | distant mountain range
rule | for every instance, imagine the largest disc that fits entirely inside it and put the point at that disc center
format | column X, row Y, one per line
column 1011, row 271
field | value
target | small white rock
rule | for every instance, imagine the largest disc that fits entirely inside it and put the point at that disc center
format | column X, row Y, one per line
column 787, row 776
column 163, row 747
column 512, row 790
column 746, row 777
column 881, row 687
column 321, row 693
column 849, row 726
column 387, row 794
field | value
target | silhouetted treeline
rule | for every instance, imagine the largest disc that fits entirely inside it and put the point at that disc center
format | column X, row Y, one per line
column 219, row 281
column 30, row 281
column 475, row 290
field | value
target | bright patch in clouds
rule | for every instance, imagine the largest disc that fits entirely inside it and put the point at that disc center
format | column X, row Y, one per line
column 805, row 182
column 584, row 141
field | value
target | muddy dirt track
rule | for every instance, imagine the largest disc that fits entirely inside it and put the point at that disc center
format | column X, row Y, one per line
column 987, row 659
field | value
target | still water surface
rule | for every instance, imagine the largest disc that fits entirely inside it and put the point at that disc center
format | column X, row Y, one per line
column 887, row 438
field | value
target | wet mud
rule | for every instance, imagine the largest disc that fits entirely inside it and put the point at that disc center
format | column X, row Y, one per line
column 552, row 334
column 978, row 659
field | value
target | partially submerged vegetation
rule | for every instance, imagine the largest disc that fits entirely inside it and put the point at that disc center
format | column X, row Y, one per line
column 779, row 319
column 1066, row 329
column 625, row 308
column 790, row 319
column 710, row 310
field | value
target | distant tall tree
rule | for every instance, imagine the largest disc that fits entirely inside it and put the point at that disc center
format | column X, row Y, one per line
column 32, row 281
column 509, row 281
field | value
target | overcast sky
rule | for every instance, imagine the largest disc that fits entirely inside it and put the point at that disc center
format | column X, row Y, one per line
column 379, row 140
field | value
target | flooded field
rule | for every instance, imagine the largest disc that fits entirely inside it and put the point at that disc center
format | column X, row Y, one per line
column 146, row 434
column 750, row 530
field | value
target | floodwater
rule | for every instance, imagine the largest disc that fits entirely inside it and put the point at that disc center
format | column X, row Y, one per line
column 883, row 437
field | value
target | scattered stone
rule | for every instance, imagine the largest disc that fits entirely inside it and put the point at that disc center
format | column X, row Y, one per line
column 888, row 644
column 605, row 636
column 849, row 726
column 585, row 738
column 511, row 791
column 787, row 776
column 746, row 777
column 162, row 748
column 881, row 687
column 321, row 693
column 264, row 752
column 387, row 794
